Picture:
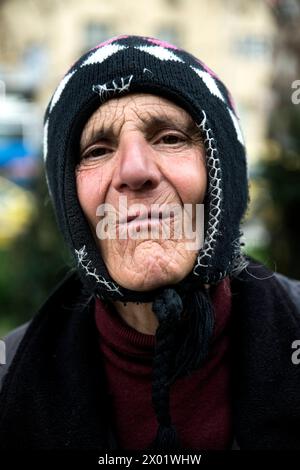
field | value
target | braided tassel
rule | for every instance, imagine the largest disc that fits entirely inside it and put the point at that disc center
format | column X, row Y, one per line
column 166, row 438
column 179, row 351
column 168, row 308
column 194, row 337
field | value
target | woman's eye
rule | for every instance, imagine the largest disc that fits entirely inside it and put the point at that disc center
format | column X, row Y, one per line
column 96, row 152
column 172, row 139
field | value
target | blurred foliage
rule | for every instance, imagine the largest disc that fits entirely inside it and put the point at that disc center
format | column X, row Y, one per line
column 32, row 264
column 281, row 215
column 262, row 254
column 280, row 169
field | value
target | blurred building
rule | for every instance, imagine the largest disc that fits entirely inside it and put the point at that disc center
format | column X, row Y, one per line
column 20, row 129
column 40, row 39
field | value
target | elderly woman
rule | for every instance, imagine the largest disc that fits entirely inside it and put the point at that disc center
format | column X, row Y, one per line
column 166, row 335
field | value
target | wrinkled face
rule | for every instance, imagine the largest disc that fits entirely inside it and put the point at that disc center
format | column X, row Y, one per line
column 141, row 155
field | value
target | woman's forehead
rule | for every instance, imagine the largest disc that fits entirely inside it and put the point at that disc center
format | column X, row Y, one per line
column 139, row 108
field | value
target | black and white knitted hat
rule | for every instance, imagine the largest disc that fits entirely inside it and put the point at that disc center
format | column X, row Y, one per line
column 131, row 64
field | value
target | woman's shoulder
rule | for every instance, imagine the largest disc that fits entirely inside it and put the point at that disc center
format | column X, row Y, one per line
column 64, row 290
column 11, row 343
column 259, row 277
column 291, row 287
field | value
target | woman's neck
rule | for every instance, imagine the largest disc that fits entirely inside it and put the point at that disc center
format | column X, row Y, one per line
column 139, row 316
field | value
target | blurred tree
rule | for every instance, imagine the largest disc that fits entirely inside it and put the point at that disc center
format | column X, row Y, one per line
column 32, row 264
column 281, row 167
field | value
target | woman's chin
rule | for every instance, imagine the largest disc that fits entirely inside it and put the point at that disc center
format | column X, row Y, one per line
column 151, row 265
column 146, row 285
column 149, row 277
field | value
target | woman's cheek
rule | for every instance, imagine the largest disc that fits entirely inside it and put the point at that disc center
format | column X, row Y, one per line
column 92, row 189
column 191, row 187
column 86, row 196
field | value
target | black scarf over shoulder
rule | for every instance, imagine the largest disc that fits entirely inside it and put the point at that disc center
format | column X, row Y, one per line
column 54, row 395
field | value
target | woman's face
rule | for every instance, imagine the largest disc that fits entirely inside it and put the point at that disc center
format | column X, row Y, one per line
column 143, row 157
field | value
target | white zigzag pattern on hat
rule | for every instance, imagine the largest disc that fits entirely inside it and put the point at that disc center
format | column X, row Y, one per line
column 237, row 127
column 60, row 89
column 99, row 56
column 45, row 140
column 102, row 54
column 160, row 53
column 209, row 82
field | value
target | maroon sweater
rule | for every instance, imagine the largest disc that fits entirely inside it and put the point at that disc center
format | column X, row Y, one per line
column 200, row 404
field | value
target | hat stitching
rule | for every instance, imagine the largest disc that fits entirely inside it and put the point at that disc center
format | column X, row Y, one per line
column 87, row 265
column 104, row 91
column 215, row 192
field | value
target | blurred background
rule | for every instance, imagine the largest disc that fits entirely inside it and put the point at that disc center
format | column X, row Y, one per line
column 253, row 46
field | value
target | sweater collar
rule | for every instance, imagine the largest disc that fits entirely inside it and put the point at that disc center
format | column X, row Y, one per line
column 116, row 334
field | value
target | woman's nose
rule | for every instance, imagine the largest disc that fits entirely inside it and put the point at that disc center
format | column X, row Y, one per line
column 136, row 166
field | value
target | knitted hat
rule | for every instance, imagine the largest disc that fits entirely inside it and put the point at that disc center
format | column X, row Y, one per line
column 132, row 64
